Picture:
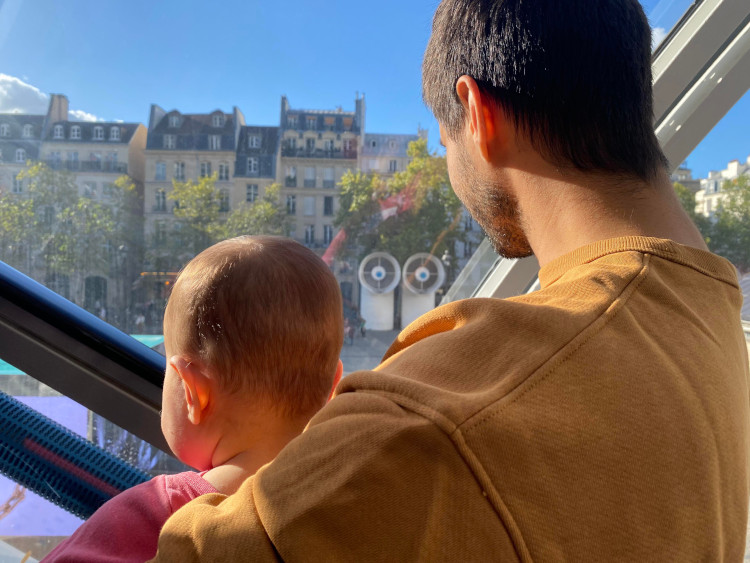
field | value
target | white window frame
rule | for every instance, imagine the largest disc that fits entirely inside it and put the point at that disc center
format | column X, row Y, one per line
column 28, row 130
column 253, row 142
column 205, row 169
column 98, row 133
column 217, row 120
column 179, row 171
column 223, row 171
column 20, row 155
column 312, row 123
column 252, row 165
column 114, row 133
column 4, row 130
column 17, row 185
column 251, row 193
column 214, row 142
column 58, row 132
column 174, row 121
column 75, row 132
column 169, row 141
column 160, row 173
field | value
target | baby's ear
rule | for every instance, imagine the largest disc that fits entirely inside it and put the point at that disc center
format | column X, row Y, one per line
column 197, row 387
column 336, row 378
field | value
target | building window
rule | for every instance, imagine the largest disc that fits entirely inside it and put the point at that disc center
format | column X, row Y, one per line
column 95, row 161
column 311, row 123
column 347, row 123
column 291, row 177
column 328, row 205
column 179, row 170
column 20, row 155
column 348, row 145
column 214, row 142
column 110, row 162
column 224, row 201
column 310, row 145
column 328, row 178
column 114, row 134
column 251, row 193
column 98, row 133
column 4, row 130
column 252, row 165
column 372, row 164
column 107, row 189
column 54, row 160
column 28, row 131
column 291, row 204
column 161, row 171
column 73, row 161
column 205, row 169
column 291, row 143
column 309, row 176
column 309, row 234
column 17, row 185
column 327, row 234
column 160, row 233
column 291, row 121
column 170, row 141
column 174, row 121
column 223, row 171
column 75, row 132
column 89, row 189
column 57, row 132
column 309, row 206
column 217, row 120
column 373, row 143
column 329, row 145
column 253, row 142
column 392, row 166
column 161, row 201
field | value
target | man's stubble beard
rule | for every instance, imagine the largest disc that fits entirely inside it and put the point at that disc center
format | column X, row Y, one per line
column 495, row 209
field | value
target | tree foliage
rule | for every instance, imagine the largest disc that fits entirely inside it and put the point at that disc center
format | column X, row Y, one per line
column 429, row 210
column 687, row 200
column 730, row 232
column 265, row 216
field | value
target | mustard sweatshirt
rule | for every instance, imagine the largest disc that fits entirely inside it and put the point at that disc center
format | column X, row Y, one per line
column 602, row 418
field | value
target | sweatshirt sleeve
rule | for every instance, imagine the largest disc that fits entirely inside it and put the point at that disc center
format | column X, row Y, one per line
column 367, row 479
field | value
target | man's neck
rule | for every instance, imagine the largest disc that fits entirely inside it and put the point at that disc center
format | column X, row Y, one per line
column 565, row 212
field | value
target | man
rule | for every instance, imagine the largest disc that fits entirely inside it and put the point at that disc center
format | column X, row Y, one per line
column 604, row 417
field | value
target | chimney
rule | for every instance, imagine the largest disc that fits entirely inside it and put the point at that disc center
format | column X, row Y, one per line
column 58, row 108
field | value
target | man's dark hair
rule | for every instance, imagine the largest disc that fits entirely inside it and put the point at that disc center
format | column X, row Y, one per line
column 573, row 75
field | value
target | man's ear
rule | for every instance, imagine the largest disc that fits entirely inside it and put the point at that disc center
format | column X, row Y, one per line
column 483, row 117
column 336, row 378
column 197, row 387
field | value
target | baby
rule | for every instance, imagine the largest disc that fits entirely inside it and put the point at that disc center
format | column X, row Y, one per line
column 252, row 332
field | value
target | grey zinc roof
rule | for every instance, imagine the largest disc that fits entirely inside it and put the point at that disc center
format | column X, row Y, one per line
column 383, row 142
column 192, row 131
column 127, row 130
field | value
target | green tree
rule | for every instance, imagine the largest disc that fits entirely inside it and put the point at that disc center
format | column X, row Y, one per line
column 429, row 209
column 731, row 229
column 16, row 215
column 687, row 200
column 196, row 217
column 265, row 216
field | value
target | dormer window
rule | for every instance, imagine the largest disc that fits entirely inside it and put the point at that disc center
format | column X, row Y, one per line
column 291, row 121
column 311, row 123
column 253, row 142
column 373, row 144
column 75, row 132
column 20, row 155
column 114, row 134
column 57, row 132
column 170, row 141
column 28, row 130
column 4, row 130
column 217, row 120
column 214, row 142
column 98, row 133
column 174, row 121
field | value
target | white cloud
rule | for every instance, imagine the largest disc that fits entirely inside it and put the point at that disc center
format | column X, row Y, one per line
column 16, row 96
column 80, row 115
column 657, row 36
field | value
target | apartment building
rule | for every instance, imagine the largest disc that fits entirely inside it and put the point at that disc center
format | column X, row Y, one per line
column 386, row 154
column 710, row 194
column 317, row 148
column 255, row 165
column 96, row 153
column 182, row 146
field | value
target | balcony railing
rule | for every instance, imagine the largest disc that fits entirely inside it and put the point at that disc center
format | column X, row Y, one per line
column 350, row 154
column 329, row 183
column 290, row 182
column 88, row 166
column 310, row 183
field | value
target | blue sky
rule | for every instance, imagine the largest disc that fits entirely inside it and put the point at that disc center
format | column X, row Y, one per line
column 114, row 58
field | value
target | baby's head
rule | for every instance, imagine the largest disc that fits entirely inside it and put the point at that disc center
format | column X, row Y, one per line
column 260, row 319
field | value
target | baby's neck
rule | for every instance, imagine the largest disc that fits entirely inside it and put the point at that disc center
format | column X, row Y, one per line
column 239, row 455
